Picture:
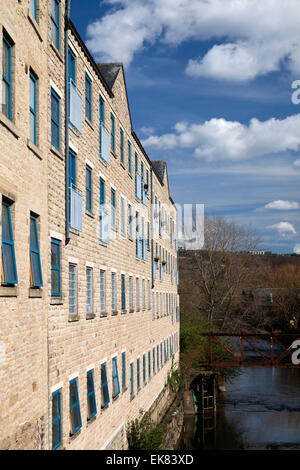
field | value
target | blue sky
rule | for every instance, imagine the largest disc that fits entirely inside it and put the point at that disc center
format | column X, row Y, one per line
column 209, row 85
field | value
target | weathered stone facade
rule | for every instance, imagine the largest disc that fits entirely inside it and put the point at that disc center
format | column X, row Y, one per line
column 49, row 340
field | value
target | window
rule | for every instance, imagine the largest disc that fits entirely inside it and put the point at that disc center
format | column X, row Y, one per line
column 129, row 157
column 148, row 236
column 115, row 378
column 144, row 368
column 55, row 23
column 72, row 289
column 101, row 123
column 148, row 291
column 123, row 370
column 102, row 209
column 33, row 107
column 71, row 66
column 7, row 76
column 102, row 291
column 138, row 373
column 36, row 269
column 137, row 286
column 8, row 249
column 121, row 146
column 88, row 98
column 143, row 294
column 55, row 268
column 113, row 208
column 157, row 357
column 129, row 221
column 113, row 292
column 149, row 365
column 137, row 234
column 122, row 200
column 33, row 8
column 56, row 420
column 112, row 133
column 89, row 290
column 123, row 292
column 153, row 360
column 55, row 120
column 153, row 306
column 91, row 399
column 74, row 407
column 88, row 188
column 131, row 379
column 104, row 387
column 130, row 293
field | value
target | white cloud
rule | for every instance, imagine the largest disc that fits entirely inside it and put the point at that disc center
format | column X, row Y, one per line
column 254, row 36
column 296, row 163
column 283, row 228
column 231, row 140
column 297, row 248
column 282, row 205
column 147, row 130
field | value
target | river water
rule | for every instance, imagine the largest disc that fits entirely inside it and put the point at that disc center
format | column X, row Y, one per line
column 259, row 410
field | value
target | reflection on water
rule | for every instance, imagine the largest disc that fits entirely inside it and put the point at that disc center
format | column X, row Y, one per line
column 259, row 410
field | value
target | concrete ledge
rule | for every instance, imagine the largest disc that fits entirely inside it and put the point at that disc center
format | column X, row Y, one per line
column 6, row 291
column 35, row 25
column 56, row 152
column 59, row 55
column 35, row 293
column 90, row 316
column 9, row 125
column 34, row 149
column 56, row 301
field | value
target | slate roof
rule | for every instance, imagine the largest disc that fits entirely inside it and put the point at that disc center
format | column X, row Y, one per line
column 110, row 72
column 159, row 167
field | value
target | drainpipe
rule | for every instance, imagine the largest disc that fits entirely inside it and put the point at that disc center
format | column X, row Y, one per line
column 152, row 274
column 67, row 107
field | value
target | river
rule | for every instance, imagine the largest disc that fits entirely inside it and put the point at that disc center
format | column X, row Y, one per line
column 259, row 410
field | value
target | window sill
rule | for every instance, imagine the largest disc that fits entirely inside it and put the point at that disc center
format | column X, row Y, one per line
column 131, row 310
column 74, row 231
column 73, row 318
column 74, row 130
column 114, row 312
column 89, row 213
column 113, row 154
column 9, row 125
column 73, row 436
column 104, row 162
column 89, row 123
column 123, row 166
column 34, row 149
column 35, row 25
column 91, row 420
column 123, row 312
column 6, row 291
column 90, row 316
column 104, row 244
column 35, row 293
column 132, row 397
column 116, row 397
column 130, row 175
column 56, row 301
column 103, row 314
column 56, row 152
column 59, row 55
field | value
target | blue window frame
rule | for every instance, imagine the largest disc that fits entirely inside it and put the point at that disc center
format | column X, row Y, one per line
column 144, row 368
column 72, row 169
column 137, row 234
column 91, row 398
column 123, row 292
column 112, row 133
column 113, row 207
column 157, row 357
column 131, row 379
column 161, row 355
column 36, row 269
column 55, row 23
column 74, row 407
column 153, row 360
column 104, row 387
column 129, row 157
column 102, row 202
column 7, row 76
column 136, row 172
column 149, row 364
column 88, row 187
column 129, row 220
column 71, row 66
column 55, row 119
column 33, row 108
column 115, row 378
column 121, row 146
column 138, row 373
column 101, row 123
column 55, row 268
column 8, row 247
column 123, row 369
column 56, row 419
column 33, row 9
column 88, row 98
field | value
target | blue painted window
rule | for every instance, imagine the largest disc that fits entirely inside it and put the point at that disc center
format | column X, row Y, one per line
column 36, row 269
column 8, row 247
column 113, row 208
column 153, row 360
column 161, row 354
column 55, row 23
column 157, row 356
column 91, row 398
column 104, row 387
column 129, row 157
column 123, row 292
column 88, row 98
column 7, row 76
column 74, row 407
column 55, row 120
column 72, row 175
column 115, row 378
column 136, row 172
column 138, row 373
column 144, row 368
column 123, row 369
column 55, row 268
column 121, row 146
column 137, row 234
column 88, row 187
column 71, row 66
column 33, row 9
column 101, row 122
column 148, row 236
column 56, row 419
column 122, row 202
column 129, row 220
column 131, row 379
column 112, row 133
column 33, row 108
column 102, row 202
column 149, row 364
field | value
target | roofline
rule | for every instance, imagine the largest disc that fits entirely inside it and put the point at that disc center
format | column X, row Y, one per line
column 90, row 58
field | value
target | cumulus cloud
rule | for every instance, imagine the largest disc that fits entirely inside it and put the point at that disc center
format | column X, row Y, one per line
column 282, row 205
column 283, row 228
column 231, row 140
column 297, row 249
column 296, row 163
column 254, row 37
